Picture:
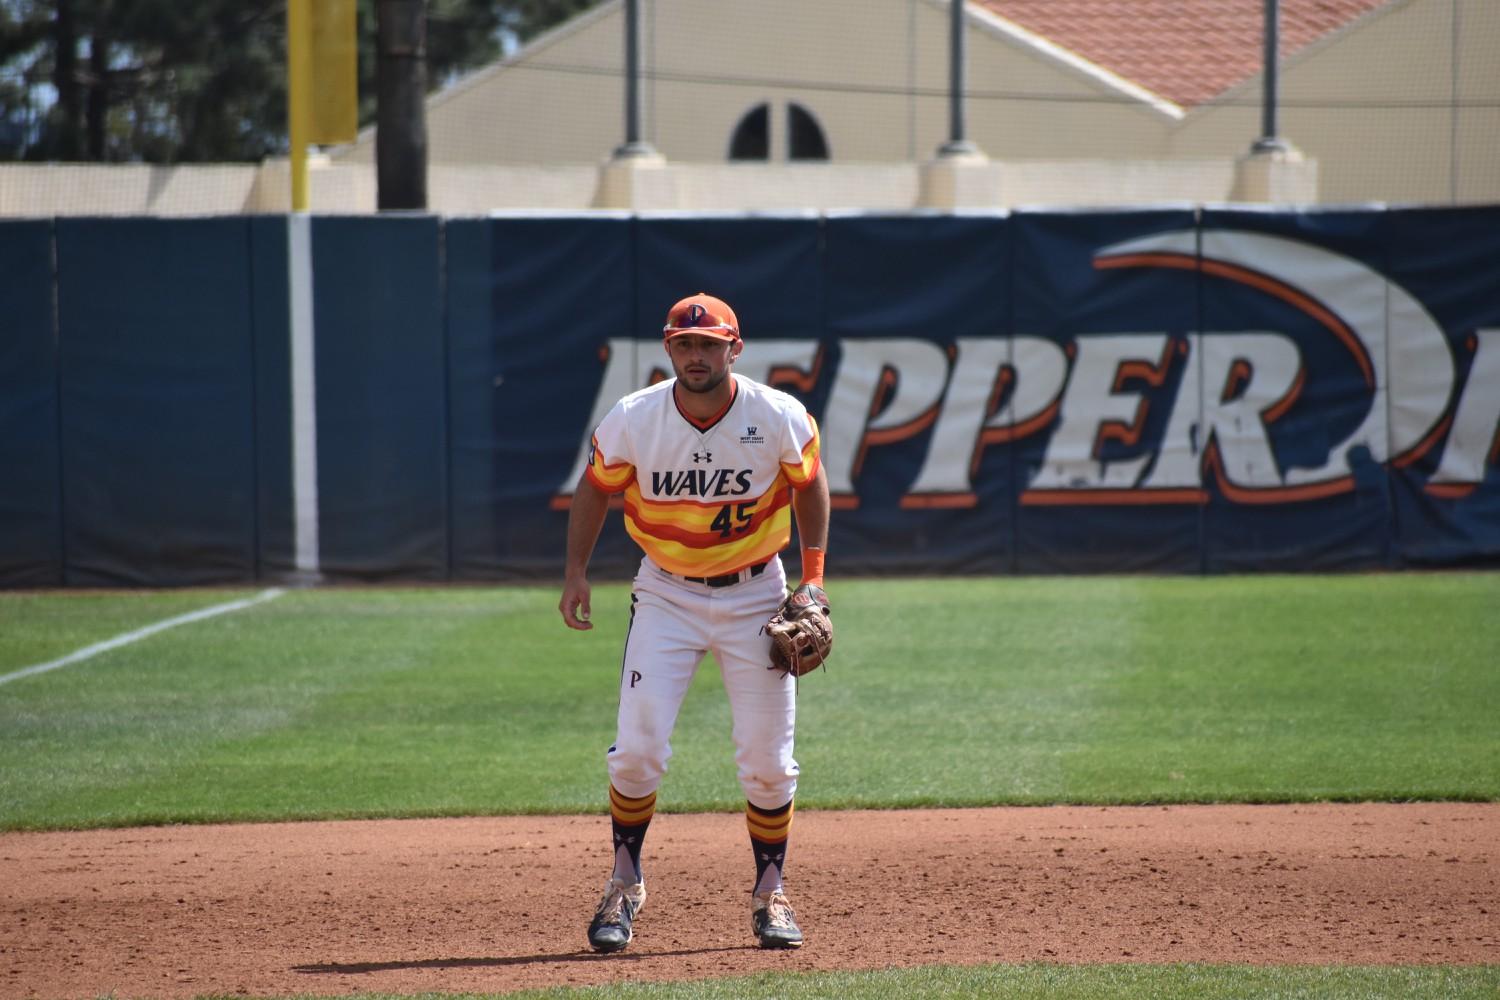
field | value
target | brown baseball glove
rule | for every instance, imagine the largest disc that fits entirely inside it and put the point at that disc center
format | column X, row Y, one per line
column 801, row 632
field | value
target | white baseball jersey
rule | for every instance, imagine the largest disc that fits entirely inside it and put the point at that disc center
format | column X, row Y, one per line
column 704, row 498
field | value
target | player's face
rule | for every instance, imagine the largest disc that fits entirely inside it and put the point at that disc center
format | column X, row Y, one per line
column 701, row 362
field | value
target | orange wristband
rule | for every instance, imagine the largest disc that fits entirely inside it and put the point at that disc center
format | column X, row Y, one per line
column 812, row 566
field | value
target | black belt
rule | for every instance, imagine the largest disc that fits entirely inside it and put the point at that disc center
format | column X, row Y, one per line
column 729, row 579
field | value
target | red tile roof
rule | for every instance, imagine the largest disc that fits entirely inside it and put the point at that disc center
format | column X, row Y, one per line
column 1187, row 51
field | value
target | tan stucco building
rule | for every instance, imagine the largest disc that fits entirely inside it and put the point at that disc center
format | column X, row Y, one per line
column 775, row 105
column 1071, row 100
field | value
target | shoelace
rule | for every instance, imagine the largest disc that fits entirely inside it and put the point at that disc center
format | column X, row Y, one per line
column 612, row 906
column 779, row 912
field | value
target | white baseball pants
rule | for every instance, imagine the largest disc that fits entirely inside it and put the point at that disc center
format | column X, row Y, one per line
column 674, row 624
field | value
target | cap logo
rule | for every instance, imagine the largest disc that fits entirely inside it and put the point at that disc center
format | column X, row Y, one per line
column 702, row 312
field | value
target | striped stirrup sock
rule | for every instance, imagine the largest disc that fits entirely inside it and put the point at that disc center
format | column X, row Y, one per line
column 769, row 830
column 628, row 818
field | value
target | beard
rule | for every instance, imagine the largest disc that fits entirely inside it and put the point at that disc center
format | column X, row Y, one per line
column 711, row 382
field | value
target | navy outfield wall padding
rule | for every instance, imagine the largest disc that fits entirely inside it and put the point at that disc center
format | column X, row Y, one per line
column 1297, row 476
column 467, row 287
column 1141, row 403
column 156, row 359
column 30, row 499
column 381, row 383
column 1105, row 395
column 270, row 322
column 916, row 341
column 1446, row 489
column 559, row 297
column 767, row 269
column 1214, row 390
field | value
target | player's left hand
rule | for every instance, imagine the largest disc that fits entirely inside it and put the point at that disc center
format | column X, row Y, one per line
column 806, row 596
column 801, row 632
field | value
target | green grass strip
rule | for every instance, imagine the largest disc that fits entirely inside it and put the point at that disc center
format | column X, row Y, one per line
column 1058, row 982
column 954, row 692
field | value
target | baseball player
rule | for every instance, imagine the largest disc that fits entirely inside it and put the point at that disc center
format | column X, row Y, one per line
column 713, row 465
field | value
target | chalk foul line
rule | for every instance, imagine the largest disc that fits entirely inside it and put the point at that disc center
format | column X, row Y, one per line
column 126, row 638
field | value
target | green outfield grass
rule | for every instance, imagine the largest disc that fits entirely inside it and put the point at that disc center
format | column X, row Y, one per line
column 406, row 702
column 1053, row 982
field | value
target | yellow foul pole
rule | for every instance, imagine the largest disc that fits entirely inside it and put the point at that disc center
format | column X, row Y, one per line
column 298, row 95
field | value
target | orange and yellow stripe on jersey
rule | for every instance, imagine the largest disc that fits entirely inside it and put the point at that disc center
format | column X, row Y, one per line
column 802, row 474
column 697, row 538
column 609, row 478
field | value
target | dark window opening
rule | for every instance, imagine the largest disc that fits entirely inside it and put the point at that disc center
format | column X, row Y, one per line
column 805, row 139
column 752, row 136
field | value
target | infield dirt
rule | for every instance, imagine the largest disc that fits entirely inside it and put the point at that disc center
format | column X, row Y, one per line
column 491, row 905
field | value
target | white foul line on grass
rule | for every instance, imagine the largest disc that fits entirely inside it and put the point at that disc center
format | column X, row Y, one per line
column 127, row 638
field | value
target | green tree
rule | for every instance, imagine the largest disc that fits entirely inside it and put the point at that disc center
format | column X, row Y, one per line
column 167, row 81
column 23, row 37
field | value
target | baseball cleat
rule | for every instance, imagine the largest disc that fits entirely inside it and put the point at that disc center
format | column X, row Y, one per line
column 773, row 920
column 610, row 930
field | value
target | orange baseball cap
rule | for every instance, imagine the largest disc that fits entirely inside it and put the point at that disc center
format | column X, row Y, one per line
column 702, row 313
